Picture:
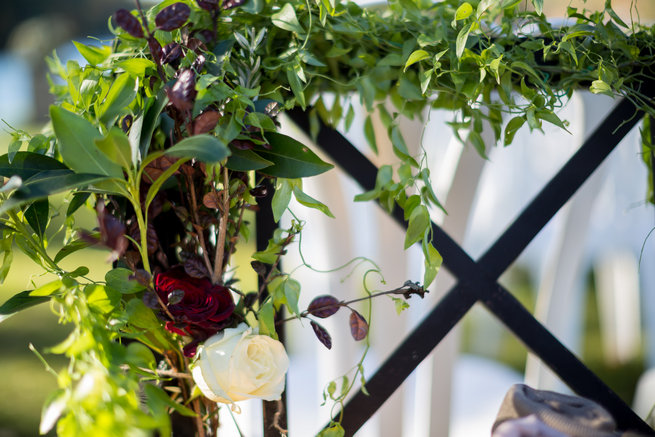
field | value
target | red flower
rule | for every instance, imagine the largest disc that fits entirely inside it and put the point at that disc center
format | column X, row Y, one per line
column 200, row 309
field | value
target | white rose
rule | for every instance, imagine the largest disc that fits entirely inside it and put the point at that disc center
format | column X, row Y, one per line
column 236, row 364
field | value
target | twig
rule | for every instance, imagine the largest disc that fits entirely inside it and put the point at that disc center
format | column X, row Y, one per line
column 222, row 230
column 196, row 218
column 407, row 290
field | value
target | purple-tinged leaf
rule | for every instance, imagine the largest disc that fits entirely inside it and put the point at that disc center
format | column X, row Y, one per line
column 229, row 4
column 323, row 306
column 171, row 53
column 208, row 5
column 322, row 334
column 198, row 63
column 205, row 122
column 183, row 93
column 259, row 267
column 358, row 326
column 155, row 49
column 259, row 191
column 172, row 17
column 175, row 297
column 112, row 232
column 128, row 23
column 195, row 267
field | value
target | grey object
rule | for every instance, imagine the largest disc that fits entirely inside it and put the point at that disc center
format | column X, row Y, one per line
column 570, row 415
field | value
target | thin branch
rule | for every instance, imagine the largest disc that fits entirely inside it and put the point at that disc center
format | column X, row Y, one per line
column 196, row 218
column 222, row 230
column 406, row 290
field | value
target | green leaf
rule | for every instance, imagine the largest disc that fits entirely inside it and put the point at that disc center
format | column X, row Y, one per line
column 116, row 146
column 46, row 183
column 419, row 222
column 432, row 263
column 37, row 216
column 286, row 19
column 369, row 133
column 296, row 85
column 102, row 299
column 245, row 160
column 119, row 280
column 77, row 147
column 308, row 201
column 119, row 96
column 140, row 355
column 6, row 246
column 28, row 298
column 94, row 55
column 463, row 11
column 205, row 148
column 281, row 197
column 291, row 158
column 19, row 302
column 400, row 304
column 157, row 394
column 512, row 127
column 601, row 87
column 136, row 66
column 551, row 117
column 266, row 317
column 462, row 37
column 292, row 294
column 335, row 430
column 416, row 56
column 71, row 247
column 538, row 6
column 76, row 202
column 477, row 141
column 27, row 164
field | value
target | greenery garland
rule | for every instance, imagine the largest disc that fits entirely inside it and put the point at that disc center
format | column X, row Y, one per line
column 170, row 132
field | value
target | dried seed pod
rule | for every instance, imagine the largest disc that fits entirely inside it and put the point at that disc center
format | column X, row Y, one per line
column 155, row 49
column 126, row 123
column 322, row 334
column 183, row 93
column 172, row 17
column 205, row 122
column 128, row 23
column 323, row 306
column 358, row 326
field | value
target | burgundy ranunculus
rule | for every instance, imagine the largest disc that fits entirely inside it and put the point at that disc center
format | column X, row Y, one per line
column 200, row 308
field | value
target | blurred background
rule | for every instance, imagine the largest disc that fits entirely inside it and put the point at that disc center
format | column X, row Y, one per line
column 589, row 275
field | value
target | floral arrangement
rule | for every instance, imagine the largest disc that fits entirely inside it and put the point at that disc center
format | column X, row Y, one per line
column 169, row 133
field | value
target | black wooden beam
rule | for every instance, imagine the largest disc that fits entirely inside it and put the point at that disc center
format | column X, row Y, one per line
column 478, row 281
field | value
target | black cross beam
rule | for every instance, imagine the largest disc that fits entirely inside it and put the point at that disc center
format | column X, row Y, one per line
column 478, row 280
